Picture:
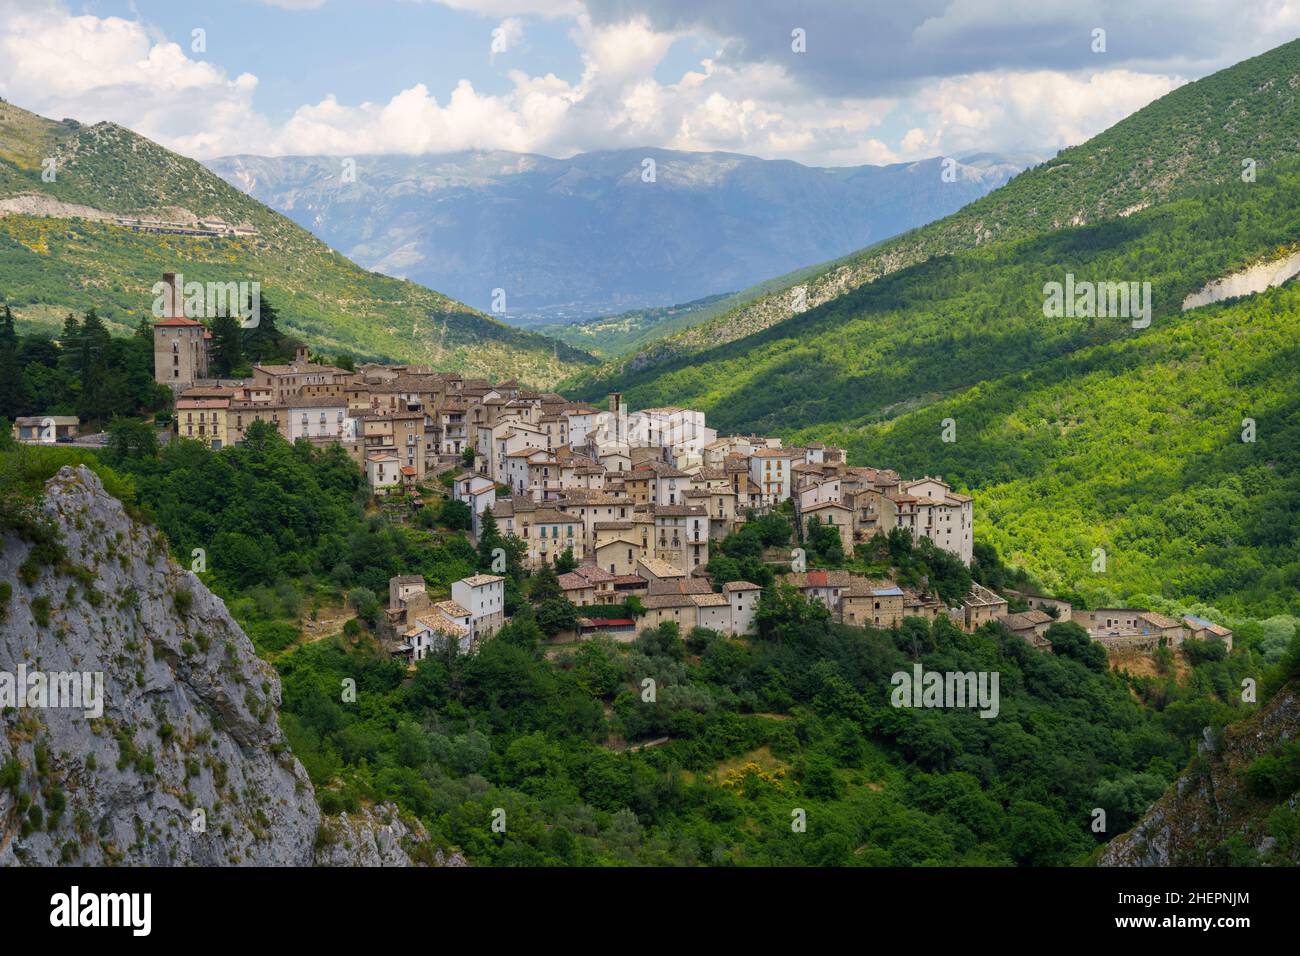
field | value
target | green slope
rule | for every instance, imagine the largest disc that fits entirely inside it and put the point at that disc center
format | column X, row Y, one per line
column 51, row 262
column 639, row 330
column 1198, row 134
column 1135, row 446
column 1074, row 433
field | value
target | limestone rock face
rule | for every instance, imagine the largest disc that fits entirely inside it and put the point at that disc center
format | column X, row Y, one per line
column 184, row 763
column 1209, row 803
column 376, row 836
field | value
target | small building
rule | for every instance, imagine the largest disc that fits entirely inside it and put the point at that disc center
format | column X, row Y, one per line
column 203, row 419
column 620, row 628
column 478, row 492
column 383, row 469
column 835, row 514
column 743, row 597
column 45, row 429
column 1032, row 625
column 980, row 606
column 1199, row 629
column 484, row 596
column 652, row 569
column 588, row 585
column 872, row 603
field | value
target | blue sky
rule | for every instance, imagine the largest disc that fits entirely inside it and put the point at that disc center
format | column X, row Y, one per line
column 875, row 82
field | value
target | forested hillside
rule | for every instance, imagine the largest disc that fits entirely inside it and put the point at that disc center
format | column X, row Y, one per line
column 60, row 252
column 1200, row 134
column 782, row 748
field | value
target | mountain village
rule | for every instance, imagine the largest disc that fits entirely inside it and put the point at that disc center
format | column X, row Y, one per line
column 633, row 500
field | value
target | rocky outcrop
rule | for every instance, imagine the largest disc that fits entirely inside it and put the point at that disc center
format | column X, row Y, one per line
column 1255, row 279
column 1209, row 807
column 377, row 836
column 178, row 758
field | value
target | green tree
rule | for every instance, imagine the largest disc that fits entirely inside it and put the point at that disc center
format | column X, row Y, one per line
column 545, row 585
column 130, row 438
column 227, row 346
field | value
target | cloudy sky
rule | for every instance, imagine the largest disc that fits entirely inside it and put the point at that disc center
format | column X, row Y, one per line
column 874, row 81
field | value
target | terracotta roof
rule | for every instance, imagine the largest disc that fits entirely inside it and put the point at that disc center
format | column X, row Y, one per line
column 822, row 505
column 584, row 576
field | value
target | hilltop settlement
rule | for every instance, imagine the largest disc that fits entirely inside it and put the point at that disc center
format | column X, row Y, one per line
column 624, row 505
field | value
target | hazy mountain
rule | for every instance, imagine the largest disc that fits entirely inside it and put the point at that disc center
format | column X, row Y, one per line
column 590, row 236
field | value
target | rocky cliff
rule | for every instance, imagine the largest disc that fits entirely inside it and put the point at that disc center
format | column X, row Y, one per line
column 137, row 724
column 1211, row 815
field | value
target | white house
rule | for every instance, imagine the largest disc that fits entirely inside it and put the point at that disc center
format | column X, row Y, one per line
column 484, row 597
column 477, row 491
column 384, row 469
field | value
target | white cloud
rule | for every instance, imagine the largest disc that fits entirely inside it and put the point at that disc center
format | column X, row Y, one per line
column 96, row 68
column 1006, row 111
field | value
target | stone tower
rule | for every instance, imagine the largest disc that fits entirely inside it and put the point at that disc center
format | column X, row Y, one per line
column 180, row 344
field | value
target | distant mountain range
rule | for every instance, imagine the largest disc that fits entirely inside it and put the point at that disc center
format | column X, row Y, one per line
column 605, row 232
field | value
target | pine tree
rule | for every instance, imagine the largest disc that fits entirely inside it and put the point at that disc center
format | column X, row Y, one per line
column 92, row 367
column 70, row 345
column 8, row 337
column 489, row 540
column 227, row 352
column 545, row 585
column 15, row 392
column 265, row 340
